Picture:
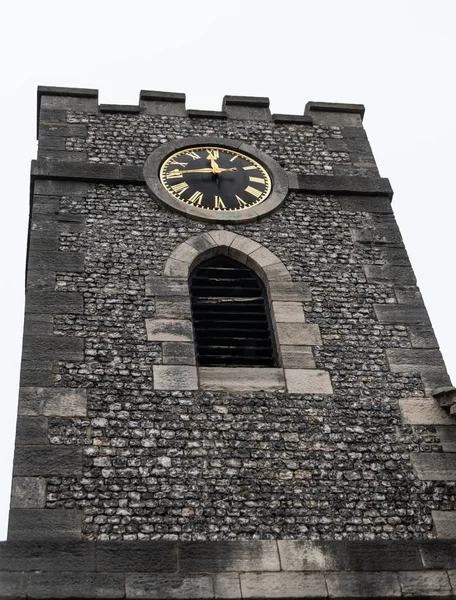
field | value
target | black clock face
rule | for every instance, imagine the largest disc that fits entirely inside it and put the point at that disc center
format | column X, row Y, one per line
column 215, row 178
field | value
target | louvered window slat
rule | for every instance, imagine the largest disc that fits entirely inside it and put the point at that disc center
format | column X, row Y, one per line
column 230, row 315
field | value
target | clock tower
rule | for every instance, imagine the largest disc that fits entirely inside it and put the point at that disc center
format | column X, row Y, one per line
column 230, row 386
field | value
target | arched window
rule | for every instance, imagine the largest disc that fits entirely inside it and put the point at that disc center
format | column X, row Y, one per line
column 230, row 315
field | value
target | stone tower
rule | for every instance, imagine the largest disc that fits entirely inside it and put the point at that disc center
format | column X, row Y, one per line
column 230, row 386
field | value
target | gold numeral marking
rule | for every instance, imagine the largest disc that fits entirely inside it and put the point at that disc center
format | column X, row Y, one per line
column 257, row 180
column 234, row 158
column 196, row 198
column 175, row 174
column 193, row 155
column 214, row 154
column 250, row 168
column 175, row 162
column 242, row 204
column 180, row 188
column 253, row 191
column 219, row 204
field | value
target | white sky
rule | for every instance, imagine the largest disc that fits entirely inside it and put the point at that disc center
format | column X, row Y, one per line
column 397, row 57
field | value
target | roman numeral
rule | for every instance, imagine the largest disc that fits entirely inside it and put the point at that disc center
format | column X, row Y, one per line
column 253, row 191
column 196, row 198
column 213, row 153
column 257, row 180
column 250, row 168
column 219, row 204
column 242, row 204
column 234, row 158
column 180, row 188
column 193, row 155
column 174, row 174
column 175, row 162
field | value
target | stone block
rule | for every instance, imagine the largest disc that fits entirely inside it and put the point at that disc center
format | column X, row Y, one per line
column 438, row 554
column 179, row 353
column 185, row 253
column 166, row 286
column 76, row 585
column 368, row 204
column 401, row 313
column 447, row 436
column 297, row 357
column 51, row 555
column 425, row 584
column 44, row 524
column 444, row 523
column 383, row 556
column 221, row 237
column 56, row 187
column 176, row 268
column 28, row 492
column 36, row 372
column 307, row 555
column 228, row 556
column 63, row 129
column 38, row 324
column 64, row 223
column 411, row 360
column 53, row 347
column 35, row 461
column 169, row 587
column 227, row 586
column 175, row 377
column 283, row 585
column 143, row 556
column 241, row 379
column 169, row 330
column 422, row 337
column 423, row 411
column 31, row 430
column 275, row 272
column 57, row 261
column 13, row 586
column 298, row 334
column 57, row 402
column 262, row 257
column 308, row 381
column 172, row 307
column 288, row 312
column 41, row 279
column 363, row 585
column 43, row 241
column 289, row 291
column 409, row 295
column 434, row 467
column 241, row 247
column 390, row 274
column 47, row 302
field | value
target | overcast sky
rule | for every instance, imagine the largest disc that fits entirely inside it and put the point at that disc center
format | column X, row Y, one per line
column 395, row 56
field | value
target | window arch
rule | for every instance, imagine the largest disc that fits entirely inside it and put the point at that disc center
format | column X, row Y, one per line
column 230, row 315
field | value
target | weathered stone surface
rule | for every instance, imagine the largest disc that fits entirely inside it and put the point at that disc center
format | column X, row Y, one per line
column 169, row 330
column 52, row 347
column 38, row 401
column 28, row 492
column 298, row 334
column 31, row 461
column 297, row 357
column 363, row 585
column 76, row 585
column 308, row 381
column 31, row 430
column 423, row 411
column 54, row 302
column 284, row 291
column 434, row 467
column 175, row 377
column 172, row 587
column 179, row 353
column 44, row 524
column 425, row 584
column 172, row 308
column 401, row 313
column 240, row 379
column 136, row 556
column 383, row 556
column 283, row 585
column 402, row 360
column 389, row 274
column 288, row 312
column 312, row 556
column 13, row 585
column 228, row 556
column 447, row 436
column 38, row 324
column 166, row 286
column 444, row 523
column 50, row 555
column 227, row 586
column 438, row 554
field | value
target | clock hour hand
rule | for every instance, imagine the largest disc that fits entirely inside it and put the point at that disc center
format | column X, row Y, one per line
column 206, row 170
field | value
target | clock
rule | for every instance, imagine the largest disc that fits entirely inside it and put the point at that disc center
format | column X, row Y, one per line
column 215, row 179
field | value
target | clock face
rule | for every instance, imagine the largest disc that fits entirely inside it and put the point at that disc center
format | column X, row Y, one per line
column 215, row 178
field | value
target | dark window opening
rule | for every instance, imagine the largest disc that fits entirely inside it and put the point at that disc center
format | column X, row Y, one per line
column 230, row 315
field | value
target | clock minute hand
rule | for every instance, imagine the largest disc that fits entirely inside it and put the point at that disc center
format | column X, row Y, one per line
column 205, row 170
